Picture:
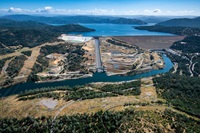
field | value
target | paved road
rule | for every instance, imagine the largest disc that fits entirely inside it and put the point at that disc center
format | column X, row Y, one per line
column 98, row 56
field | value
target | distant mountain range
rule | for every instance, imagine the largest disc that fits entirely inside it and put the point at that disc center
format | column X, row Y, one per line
column 75, row 19
column 182, row 22
column 181, row 26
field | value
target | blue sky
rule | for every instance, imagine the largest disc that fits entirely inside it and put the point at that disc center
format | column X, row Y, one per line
column 102, row 7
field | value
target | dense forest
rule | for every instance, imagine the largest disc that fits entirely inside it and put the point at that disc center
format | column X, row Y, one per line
column 190, row 44
column 27, row 53
column 30, row 34
column 15, row 65
column 183, row 22
column 173, row 30
column 5, row 50
column 2, row 62
column 183, row 63
column 75, row 19
column 111, row 122
column 180, row 91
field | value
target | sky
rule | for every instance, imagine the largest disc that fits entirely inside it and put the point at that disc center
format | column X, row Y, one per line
column 102, row 7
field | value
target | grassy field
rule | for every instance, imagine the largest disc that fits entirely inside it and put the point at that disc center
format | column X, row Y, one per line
column 12, row 107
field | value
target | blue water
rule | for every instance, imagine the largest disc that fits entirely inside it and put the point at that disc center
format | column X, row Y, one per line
column 97, row 77
column 118, row 30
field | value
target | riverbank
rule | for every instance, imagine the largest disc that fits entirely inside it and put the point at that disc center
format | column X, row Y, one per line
column 97, row 77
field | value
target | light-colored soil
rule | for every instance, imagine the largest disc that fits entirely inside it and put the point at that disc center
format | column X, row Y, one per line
column 11, row 107
column 49, row 103
column 90, row 53
column 29, row 63
column 121, row 59
column 151, row 42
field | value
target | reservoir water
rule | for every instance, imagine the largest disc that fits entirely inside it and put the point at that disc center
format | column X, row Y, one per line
column 118, row 30
column 97, row 77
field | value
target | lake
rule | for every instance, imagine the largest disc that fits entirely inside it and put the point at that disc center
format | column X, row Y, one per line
column 97, row 77
column 118, row 30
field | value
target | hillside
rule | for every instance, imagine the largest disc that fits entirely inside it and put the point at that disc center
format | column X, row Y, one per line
column 183, row 22
column 74, row 19
column 189, row 44
column 188, row 31
column 179, row 26
column 30, row 34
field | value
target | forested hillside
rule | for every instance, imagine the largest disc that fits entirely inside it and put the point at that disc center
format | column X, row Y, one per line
column 101, row 122
column 180, row 91
column 190, row 44
column 30, row 34
column 173, row 30
column 183, row 22
column 75, row 19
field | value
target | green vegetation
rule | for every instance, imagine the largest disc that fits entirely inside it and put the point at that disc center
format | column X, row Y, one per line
column 183, row 63
column 129, row 88
column 183, row 22
column 86, row 94
column 119, row 43
column 15, row 65
column 73, row 62
column 5, row 50
column 75, row 19
column 27, row 53
column 189, row 44
column 100, row 122
column 2, row 62
column 172, row 30
column 83, row 92
column 30, row 34
column 47, row 89
column 180, row 91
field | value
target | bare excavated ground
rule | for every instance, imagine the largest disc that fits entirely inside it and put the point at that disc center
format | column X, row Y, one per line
column 150, row 42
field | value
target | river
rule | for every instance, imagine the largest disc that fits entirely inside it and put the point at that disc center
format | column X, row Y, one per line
column 97, row 77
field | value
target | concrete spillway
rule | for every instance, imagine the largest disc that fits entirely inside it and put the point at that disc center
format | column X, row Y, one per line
column 99, row 66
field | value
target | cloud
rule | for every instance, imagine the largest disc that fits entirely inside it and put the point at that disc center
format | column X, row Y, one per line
column 185, row 12
column 15, row 10
column 156, row 11
column 47, row 9
column 180, row 12
column 96, row 11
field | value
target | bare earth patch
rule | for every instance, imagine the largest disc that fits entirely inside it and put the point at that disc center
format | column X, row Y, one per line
column 49, row 103
column 151, row 42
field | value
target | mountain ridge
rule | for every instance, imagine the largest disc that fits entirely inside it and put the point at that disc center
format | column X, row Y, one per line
column 75, row 19
column 182, row 22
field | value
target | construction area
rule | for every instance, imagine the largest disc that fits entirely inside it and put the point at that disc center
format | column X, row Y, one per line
column 119, row 57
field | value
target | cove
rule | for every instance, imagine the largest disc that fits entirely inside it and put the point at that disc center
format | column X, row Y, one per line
column 97, row 77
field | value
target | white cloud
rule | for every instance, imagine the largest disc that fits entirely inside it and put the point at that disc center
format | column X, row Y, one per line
column 180, row 12
column 48, row 8
column 151, row 12
column 156, row 11
column 185, row 12
column 15, row 10
column 51, row 10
